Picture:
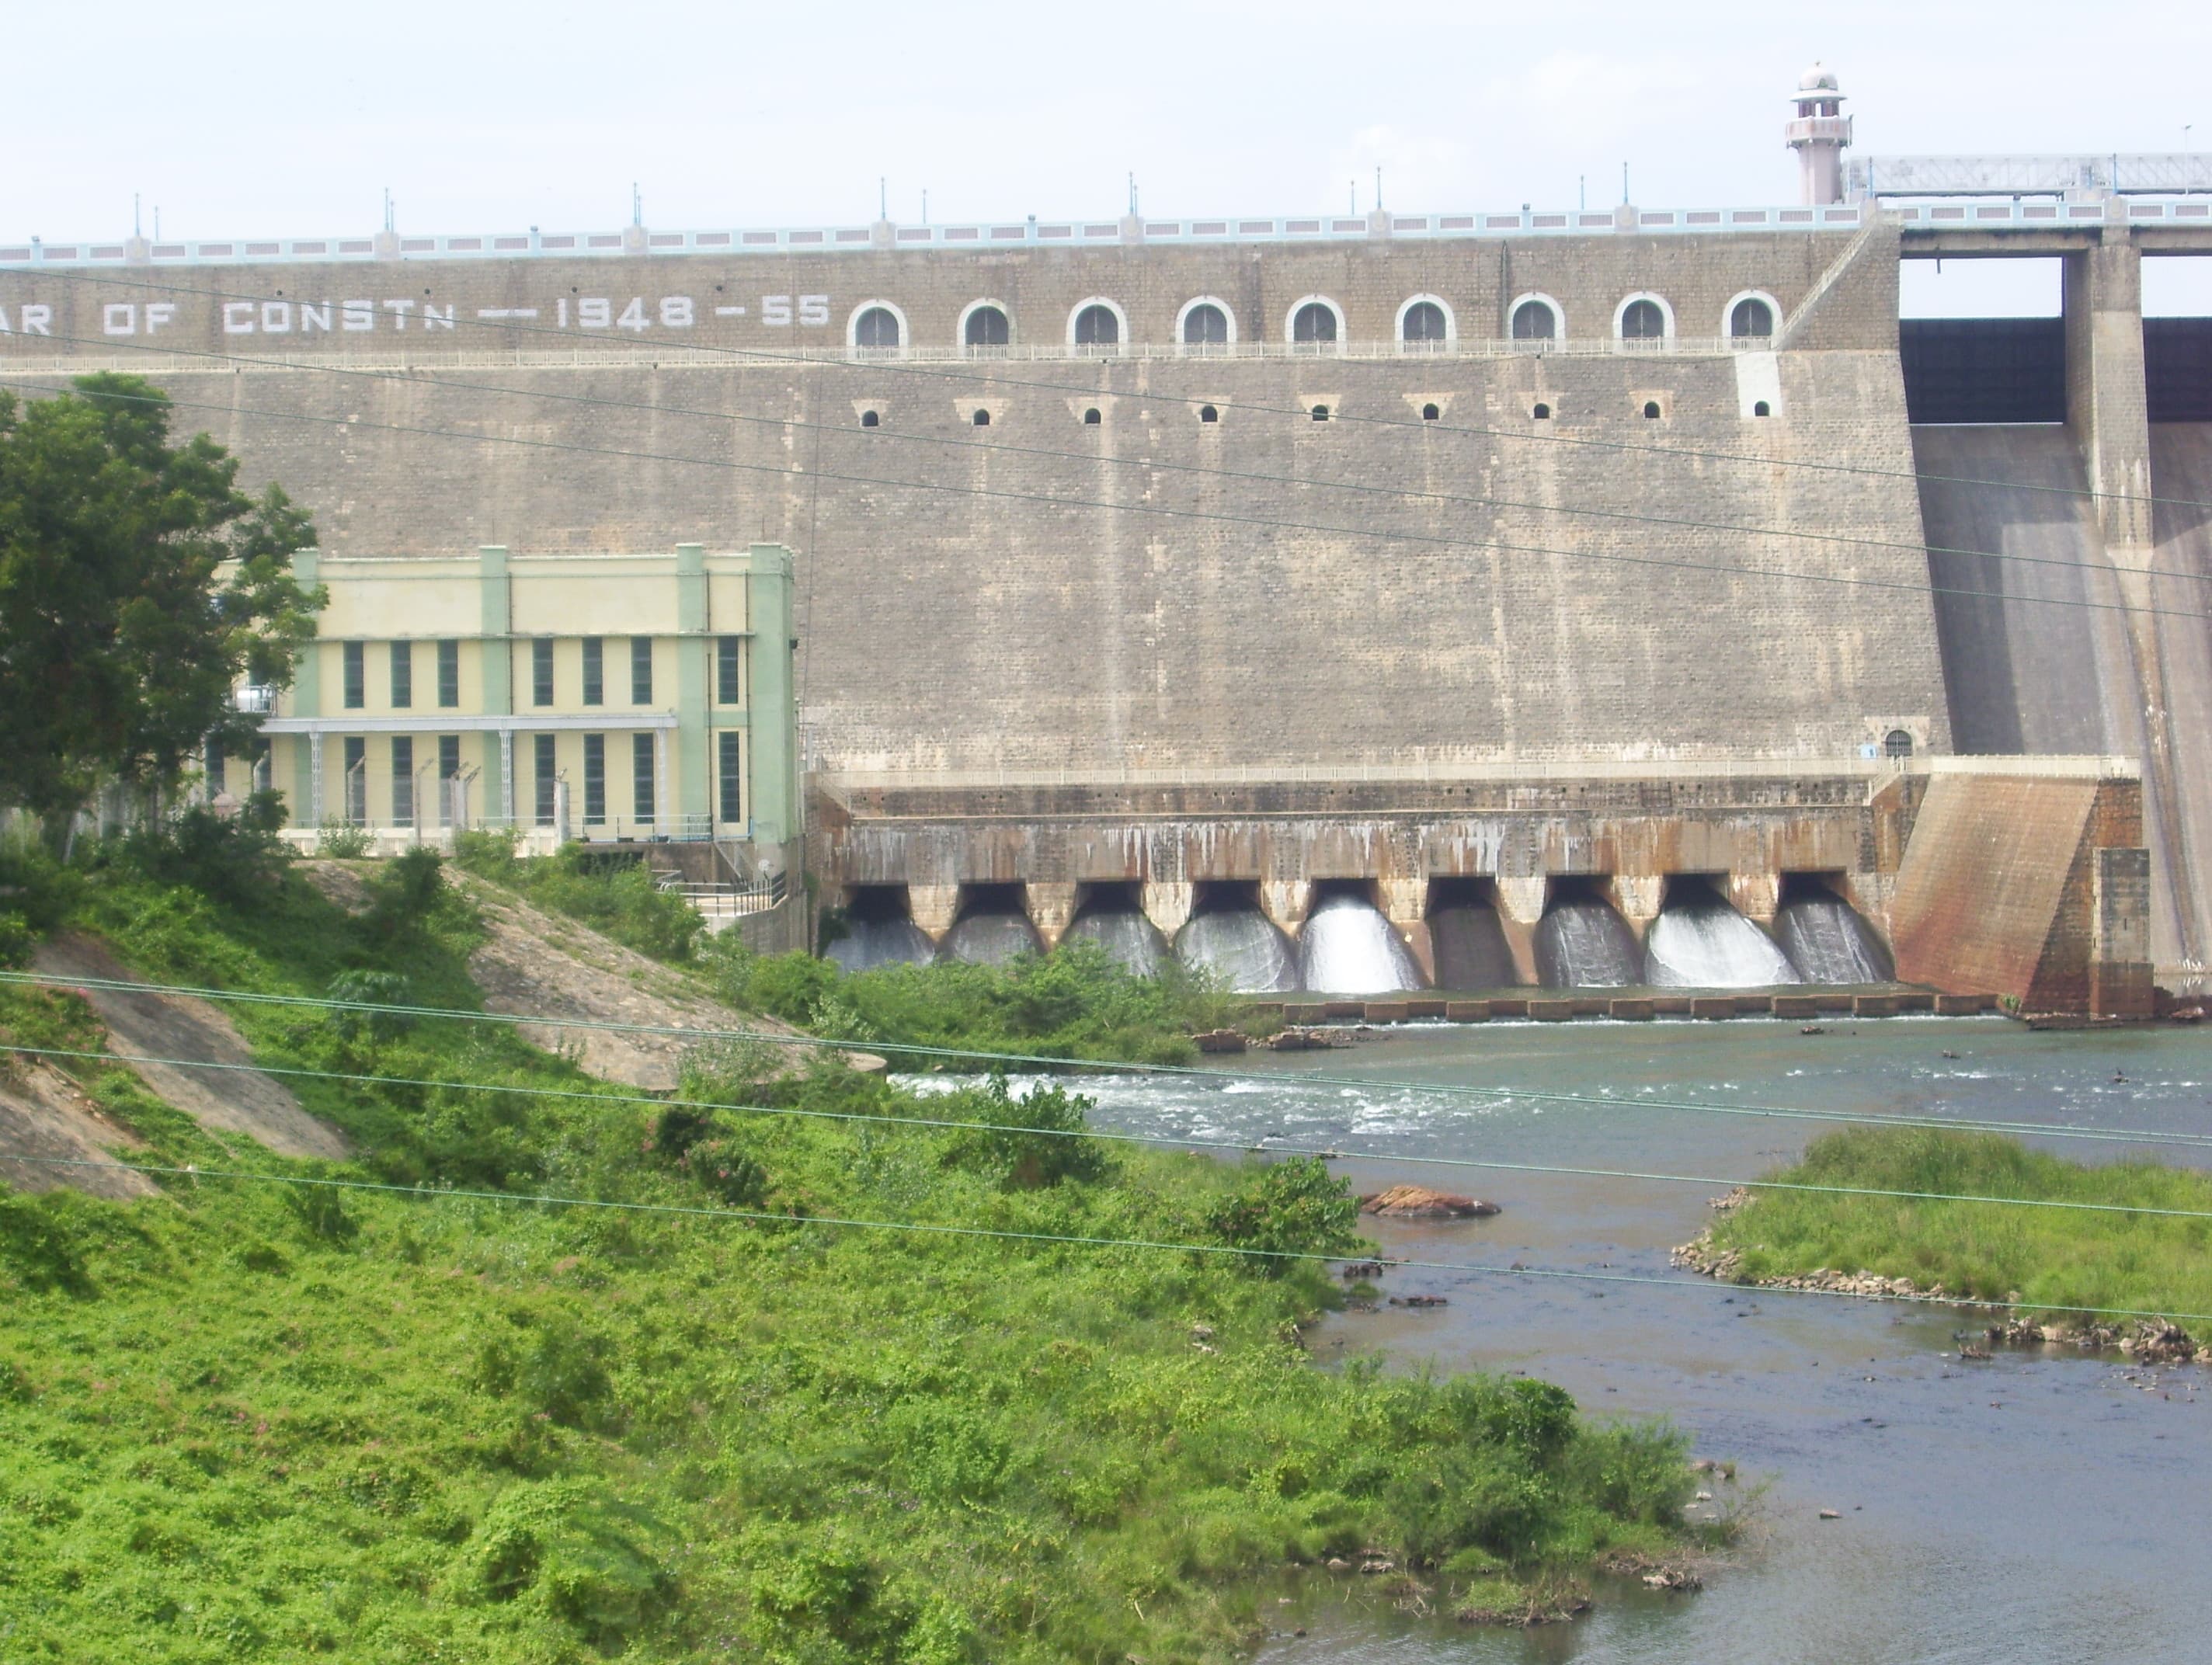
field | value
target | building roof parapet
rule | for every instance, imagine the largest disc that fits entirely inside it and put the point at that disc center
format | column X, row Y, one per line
column 979, row 236
column 2171, row 174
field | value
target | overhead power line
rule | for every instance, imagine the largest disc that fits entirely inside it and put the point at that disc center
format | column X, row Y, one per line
column 765, row 1217
column 421, row 378
column 1434, row 541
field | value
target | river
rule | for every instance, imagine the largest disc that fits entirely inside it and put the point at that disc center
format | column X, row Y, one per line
column 2043, row 1507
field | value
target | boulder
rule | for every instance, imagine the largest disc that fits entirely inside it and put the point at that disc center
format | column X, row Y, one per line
column 1414, row 1202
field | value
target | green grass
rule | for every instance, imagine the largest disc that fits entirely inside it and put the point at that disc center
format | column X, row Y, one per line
column 2052, row 1257
column 614, row 896
column 249, row 1421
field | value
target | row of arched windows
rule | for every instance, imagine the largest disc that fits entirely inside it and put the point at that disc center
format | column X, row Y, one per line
column 1316, row 321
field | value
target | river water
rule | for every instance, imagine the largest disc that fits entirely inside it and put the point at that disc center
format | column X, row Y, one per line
column 2032, row 1507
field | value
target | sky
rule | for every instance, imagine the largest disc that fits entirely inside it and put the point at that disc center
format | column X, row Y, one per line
column 258, row 118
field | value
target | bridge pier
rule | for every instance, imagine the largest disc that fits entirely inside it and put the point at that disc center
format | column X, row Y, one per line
column 1756, row 895
column 1286, row 902
column 1167, row 903
column 1051, row 910
column 935, row 908
column 1636, row 898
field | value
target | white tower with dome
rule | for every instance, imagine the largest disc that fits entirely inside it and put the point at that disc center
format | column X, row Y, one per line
column 1817, row 135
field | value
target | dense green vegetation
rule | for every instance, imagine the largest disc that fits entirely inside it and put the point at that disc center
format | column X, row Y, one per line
column 1076, row 1003
column 261, row 1420
column 2052, row 1257
column 616, row 897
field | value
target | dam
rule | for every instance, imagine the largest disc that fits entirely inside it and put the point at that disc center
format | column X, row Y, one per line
column 1450, row 600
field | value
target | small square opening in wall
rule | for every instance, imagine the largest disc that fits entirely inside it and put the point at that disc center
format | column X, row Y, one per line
column 1540, row 412
column 1651, row 411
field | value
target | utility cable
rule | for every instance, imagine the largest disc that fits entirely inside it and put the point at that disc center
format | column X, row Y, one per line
column 1007, row 1235
column 575, row 340
column 413, row 377
column 1210, row 517
column 1189, row 1072
column 941, row 1124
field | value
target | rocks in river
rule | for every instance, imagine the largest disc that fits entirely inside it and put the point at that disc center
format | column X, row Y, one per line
column 1415, row 1202
column 1418, row 1301
column 1353, row 1271
column 1728, row 1201
column 1220, row 1040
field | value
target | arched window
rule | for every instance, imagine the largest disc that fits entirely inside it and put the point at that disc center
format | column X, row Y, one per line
column 1652, row 411
column 982, row 419
column 1092, row 417
column 1321, row 413
column 1424, row 321
column 1750, row 319
column 1315, row 321
column 1430, row 413
column 1535, row 320
column 1204, row 325
column 987, row 326
column 1643, row 321
column 1208, row 413
column 869, row 419
column 1897, row 744
column 878, row 326
column 1097, row 327
column 1542, row 413
column 1762, row 409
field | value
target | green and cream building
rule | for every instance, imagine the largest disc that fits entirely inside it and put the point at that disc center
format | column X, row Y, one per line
column 601, row 697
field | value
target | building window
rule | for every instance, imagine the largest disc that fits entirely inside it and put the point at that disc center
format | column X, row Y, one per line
column 1751, row 319
column 449, row 674
column 1424, row 322
column 731, row 747
column 878, row 326
column 403, row 675
column 595, row 670
column 356, row 780
column 449, row 776
column 1092, row 416
column 1535, row 320
column 213, row 764
column 1320, row 413
column 1097, row 327
column 1314, row 322
column 1643, row 321
column 1430, row 413
column 1652, row 411
column 1762, row 409
column 1897, row 744
column 595, row 780
column 403, row 780
column 726, row 689
column 546, row 778
column 641, row 670
column 1208, row 413
column 641, row 776
column 357, row 675
column 1542, row 413
column 1205, row 326
column 982, row 419
column 870, row 419
column 541, row 670
column 987, row 326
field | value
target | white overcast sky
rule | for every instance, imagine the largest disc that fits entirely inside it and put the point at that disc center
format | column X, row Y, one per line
column 284, row 119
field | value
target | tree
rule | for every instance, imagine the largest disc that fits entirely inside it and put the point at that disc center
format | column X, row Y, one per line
column 139, row 587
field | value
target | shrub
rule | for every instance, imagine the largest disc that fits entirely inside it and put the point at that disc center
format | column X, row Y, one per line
column 1022, row 1160
column 238, row 859
column 1288, row 1208
column 370, row 989
column 17, row 940
column 340, row 842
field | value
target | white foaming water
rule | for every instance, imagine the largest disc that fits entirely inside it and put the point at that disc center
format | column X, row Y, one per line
column 1242, row 948
column 1127, row 937
column 869, row 943
column 990, row 939
column 1347, row 947
column 1828, row 942
column 1706, row 943
column 1584, row 945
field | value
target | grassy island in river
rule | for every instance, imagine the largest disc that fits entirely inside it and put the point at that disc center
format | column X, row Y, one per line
column 2039, row 1260
column 244, row 1420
